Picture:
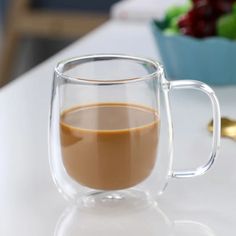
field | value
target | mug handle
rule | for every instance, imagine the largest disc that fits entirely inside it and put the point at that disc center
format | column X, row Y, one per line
column 197, row 85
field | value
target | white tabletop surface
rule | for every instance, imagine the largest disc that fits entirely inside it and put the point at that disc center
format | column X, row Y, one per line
column 29, row 202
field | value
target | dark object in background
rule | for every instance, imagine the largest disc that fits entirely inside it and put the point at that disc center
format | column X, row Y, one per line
column 85, row 5
column 3, row 7
column 47, row 19
column 33, row 51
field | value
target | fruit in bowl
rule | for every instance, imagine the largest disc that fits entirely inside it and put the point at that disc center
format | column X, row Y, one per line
column 202, row 18
column 198, row 41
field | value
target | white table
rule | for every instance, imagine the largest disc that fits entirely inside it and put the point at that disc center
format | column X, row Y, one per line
column 29, row 202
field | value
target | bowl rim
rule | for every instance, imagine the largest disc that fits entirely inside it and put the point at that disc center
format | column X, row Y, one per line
column 181, row 36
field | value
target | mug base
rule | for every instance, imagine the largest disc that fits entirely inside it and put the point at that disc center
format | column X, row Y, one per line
column 132, row 199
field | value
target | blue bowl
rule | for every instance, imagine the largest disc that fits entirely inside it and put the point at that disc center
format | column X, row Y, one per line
column 211, row 60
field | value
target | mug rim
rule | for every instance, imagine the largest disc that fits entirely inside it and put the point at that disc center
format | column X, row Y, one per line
column 96, row 57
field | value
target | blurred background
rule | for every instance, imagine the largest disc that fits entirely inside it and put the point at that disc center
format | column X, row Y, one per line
column 33, row 30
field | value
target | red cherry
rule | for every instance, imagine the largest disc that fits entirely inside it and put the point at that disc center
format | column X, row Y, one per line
column 204, row 11
column 186, row 20
column 192, row 14
column 204, row 28
column 223, row 6
column 196, row 2
column 187, row 31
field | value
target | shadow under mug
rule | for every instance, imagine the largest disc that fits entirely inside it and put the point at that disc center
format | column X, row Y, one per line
column 110, row 117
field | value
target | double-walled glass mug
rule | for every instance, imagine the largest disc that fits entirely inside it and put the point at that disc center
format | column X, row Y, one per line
column 107, row 128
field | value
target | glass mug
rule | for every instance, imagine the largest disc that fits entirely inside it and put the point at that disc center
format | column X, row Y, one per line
column 106, row 128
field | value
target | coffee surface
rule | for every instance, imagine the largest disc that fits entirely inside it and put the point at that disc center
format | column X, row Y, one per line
column 109, row 146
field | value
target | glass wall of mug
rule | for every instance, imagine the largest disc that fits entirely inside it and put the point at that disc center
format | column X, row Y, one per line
column 110, row 128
